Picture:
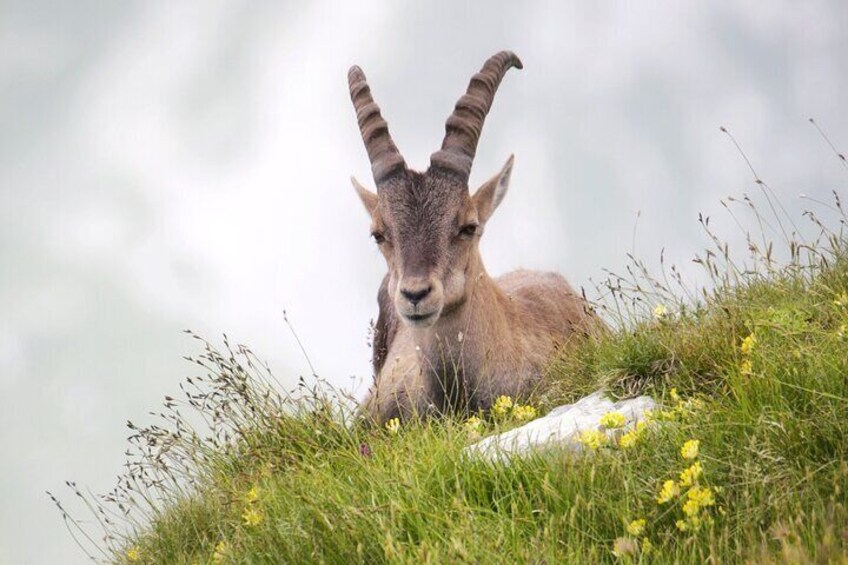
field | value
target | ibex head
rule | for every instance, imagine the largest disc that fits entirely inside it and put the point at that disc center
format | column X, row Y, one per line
column 428, row 225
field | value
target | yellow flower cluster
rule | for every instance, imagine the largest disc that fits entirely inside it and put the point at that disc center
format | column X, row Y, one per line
column 505, row 408
column 393, row 425
column 690, row 449
column 631, row 438
column 596, row 439
column 474, row 424
column 613, row 420
column 222, row 550
column 660, row 311
column 748, row 344
column 682, row 409
column 133, row 553
column 593, row 439
column 647, row 546
column 636, row 527
column 674, row 396
column 502, row 406
column 669, row 491
column 697, row 498
column 523, row 413
column 474, row 427
column 252, row 516
column 687, row 490
column 628, row 440
column 690, row 475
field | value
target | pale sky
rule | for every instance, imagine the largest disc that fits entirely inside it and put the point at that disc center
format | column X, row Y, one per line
column 185, row 165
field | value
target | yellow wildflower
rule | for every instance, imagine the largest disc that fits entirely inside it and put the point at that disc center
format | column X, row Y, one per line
column 642, row 425
column 693, row 404
column 133, row 553
column 523, row 413
column 682, row 525
column 502, row 406
column 666, row 415
column 613, row 420
column 689, row 476
column 647, row 546
column 473, row 424
column 660, row 311
column 841, row 300
column 746, row 368
column 703, row 495
column 393, row 425
column 636, row 527
column 628, row 440
column 674, row 396
column 593, row 439
column 670, row 489
column 691, row 507
column 252, row 495
column 221, row 551
column 690, row 449
column 748, row 344
column 252, row 517
column 696, row 499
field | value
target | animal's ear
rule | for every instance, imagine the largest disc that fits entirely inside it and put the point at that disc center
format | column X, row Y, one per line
column 488, row 196
column 369, row 199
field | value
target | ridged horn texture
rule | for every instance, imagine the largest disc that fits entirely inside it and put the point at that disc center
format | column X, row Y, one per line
column 463, row 127
column 382, row 151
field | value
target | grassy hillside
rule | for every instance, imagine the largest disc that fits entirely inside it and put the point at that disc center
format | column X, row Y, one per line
column 753, row 374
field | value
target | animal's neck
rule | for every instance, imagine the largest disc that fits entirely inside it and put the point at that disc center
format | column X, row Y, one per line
column 471, row 331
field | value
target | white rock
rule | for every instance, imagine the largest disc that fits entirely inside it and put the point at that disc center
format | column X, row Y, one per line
column 561, row 427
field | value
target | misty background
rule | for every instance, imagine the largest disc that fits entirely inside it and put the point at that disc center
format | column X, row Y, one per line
column 173, row 165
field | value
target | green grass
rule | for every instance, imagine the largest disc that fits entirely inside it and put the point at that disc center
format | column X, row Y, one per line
column 287, row 478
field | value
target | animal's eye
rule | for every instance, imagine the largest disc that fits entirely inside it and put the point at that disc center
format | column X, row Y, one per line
column 469, row 230
column 378, row 237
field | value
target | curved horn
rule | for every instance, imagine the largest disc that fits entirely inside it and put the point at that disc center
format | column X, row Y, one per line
column 382, row 152
column 463, row 127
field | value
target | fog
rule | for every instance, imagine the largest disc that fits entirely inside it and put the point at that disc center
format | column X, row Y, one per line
column 185, row 165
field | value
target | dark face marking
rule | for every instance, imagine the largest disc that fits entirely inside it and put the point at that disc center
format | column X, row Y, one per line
column 422, row 215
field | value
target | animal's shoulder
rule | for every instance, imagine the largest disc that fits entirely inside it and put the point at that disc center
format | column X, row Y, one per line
column 545, row 302
column 523, row 284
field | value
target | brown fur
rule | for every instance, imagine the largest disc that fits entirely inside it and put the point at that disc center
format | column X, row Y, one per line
column 497, row 343
column 449, row 337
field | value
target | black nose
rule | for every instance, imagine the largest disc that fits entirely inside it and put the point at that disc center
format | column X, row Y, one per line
column 416, row 295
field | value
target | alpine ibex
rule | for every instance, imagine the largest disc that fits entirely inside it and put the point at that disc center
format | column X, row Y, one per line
column 448, row 336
